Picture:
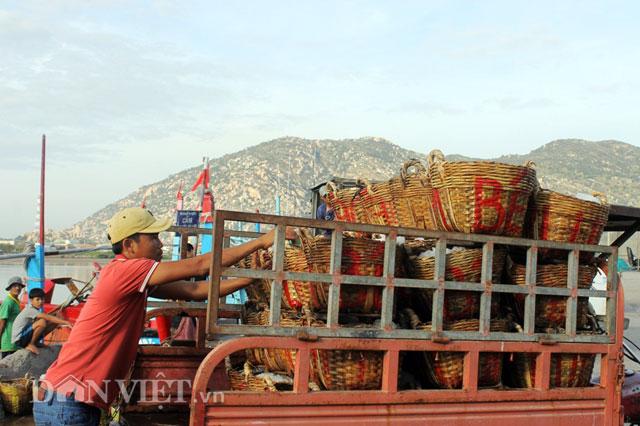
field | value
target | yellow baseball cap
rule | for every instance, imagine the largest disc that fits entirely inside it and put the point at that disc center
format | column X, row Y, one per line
column 135, row 220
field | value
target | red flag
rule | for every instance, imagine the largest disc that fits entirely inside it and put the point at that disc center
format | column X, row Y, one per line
column 144, row 204
column 203, row 179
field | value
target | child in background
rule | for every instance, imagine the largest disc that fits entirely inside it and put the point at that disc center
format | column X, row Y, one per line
column 31, row 325
column 8, row 312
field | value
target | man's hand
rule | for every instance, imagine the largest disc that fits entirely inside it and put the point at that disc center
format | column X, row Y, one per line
column 267, row 239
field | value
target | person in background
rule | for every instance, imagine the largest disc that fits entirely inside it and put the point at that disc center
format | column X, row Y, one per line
column 31, row 325
column 184, row 327
column 598, row 305
column 8, row 312
column 324, row 211
column 190, row 251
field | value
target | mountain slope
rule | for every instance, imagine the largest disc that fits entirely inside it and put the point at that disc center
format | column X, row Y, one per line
column 249, row 179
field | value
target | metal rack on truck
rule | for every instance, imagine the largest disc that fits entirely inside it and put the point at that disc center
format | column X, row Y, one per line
column 213, row 403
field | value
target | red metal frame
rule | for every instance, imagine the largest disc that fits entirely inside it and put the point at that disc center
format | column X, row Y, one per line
column 171, row 364
column 213, row 403
column 597, row 405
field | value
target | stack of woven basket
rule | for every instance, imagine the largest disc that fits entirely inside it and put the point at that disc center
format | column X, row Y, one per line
column 305, row 301
column 360, row 256
column 402, row 201
column 462, row 265
column 330, row 369
column 445, row 369
column 562, row 218
column 464, row 196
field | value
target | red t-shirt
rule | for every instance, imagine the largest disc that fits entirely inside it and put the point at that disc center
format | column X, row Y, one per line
column 96, row 359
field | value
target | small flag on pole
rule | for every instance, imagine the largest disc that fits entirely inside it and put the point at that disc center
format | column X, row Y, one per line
column 203, row 179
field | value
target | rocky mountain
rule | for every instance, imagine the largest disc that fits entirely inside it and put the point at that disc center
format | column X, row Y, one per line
column 250, row 179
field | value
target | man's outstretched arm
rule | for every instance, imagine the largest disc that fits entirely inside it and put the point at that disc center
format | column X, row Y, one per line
column 169, row 272
column 198, row 290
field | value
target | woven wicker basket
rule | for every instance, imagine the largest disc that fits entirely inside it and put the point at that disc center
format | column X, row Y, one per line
column 277, row 359
column 259, row 290
column 16, row 395
column 404, row 200
column 551, row 310
column 415, row 247
column 343, row 203
column 567, row 370
column 463, row 265
column 559, row 217
column 348, row 370
column 360, row 256
column 246, row 380
column 445, row 369
column 335, row 369
column 480, row 197
column 296, row 294
column 411, row 193
column 374, row 204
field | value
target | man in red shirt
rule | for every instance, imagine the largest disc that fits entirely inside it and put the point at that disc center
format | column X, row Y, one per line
column 94, row 363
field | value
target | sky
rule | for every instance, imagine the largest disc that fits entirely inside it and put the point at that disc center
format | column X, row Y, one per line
column 131, row 92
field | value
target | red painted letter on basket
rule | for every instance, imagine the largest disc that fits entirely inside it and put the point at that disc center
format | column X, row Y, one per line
column 517, row 208
column 483, row 202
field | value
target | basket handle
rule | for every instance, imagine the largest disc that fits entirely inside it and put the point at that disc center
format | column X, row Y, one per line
column 600, row 196
column 435, row 156
column 331, row 186
column 414, row 164
column 364, row 183
column 305, row 238
column 530, row 163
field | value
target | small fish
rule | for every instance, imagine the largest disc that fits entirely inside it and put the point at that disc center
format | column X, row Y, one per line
column 272, row 378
